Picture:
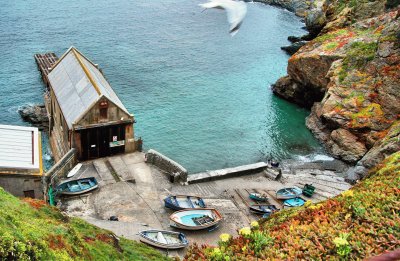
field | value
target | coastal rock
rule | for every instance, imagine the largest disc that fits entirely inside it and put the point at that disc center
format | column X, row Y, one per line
column 346, row 146
column 357, row 71
column 295, row 92
column 383, row 148
column 315, row 21
column 36, row 115
column 294, row 39
column 294, row 47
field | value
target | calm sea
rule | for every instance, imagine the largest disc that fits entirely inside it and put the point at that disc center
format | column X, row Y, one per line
column 199, row 96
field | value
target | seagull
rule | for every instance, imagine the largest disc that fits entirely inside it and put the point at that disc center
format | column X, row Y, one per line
column 235, row 11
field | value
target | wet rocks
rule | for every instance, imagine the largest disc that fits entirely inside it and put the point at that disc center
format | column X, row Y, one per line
column 296, row 92
column 294, row 47
column 36, row 115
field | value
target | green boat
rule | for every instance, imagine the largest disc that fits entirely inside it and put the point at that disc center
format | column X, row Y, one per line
column 258, row 197
column 76, row 187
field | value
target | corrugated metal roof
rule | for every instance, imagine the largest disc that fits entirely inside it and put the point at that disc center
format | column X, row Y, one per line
column 19, row 147
column 78, row 84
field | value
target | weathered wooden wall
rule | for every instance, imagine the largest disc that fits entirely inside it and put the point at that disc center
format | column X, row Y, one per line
column 114, row 114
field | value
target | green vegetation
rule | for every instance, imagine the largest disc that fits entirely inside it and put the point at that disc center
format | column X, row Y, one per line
column 32, row 230
column 332, row 35
column 359, row 223
column 359, row 54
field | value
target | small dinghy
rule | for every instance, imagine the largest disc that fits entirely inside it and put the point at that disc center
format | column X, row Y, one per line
column 164, row 239
column 263, row 209
column 195, row 219
column 287, row 193
column 76, row 187
column 258, row 197
column 74, row 170
column 294, row 202
column 180, row 202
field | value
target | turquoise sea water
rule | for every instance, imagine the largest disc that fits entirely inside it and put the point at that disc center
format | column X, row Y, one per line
column 199, row 96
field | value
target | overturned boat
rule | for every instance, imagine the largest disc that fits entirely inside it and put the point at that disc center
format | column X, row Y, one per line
column 195, row 219
column 287, row 193
column 77, row 186
column 164, row 239
column 180, row 202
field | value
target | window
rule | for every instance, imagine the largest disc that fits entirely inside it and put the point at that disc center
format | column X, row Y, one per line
column 29, row 193
column 103, row 106
column 103, row 113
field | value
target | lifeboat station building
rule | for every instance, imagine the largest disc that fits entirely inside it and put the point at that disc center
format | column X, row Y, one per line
column 21, row 168
column 84, row 111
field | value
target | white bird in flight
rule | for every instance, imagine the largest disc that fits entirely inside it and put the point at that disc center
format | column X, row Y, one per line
column 235, row 11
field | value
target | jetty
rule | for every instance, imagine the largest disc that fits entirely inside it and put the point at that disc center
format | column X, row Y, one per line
column 227, row 172
column 45, row 62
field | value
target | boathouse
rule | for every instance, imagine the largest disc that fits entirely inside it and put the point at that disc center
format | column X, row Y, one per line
column 21, row 168
column 85, row 113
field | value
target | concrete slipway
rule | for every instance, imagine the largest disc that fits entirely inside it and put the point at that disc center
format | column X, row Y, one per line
column 133, row 190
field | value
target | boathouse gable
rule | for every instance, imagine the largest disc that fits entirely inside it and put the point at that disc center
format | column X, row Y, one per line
column 103, row 112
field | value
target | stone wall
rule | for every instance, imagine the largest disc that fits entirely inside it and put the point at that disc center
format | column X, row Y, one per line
column 176, row 172
column 61, row 168
column 22, row 185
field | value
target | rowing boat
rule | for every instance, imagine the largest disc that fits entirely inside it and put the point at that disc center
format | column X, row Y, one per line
column 77, row 186
column 195, row 219
column 164, row 239
column 180, row 202
column 287, row 193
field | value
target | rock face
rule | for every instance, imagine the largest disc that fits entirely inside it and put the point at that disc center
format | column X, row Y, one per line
column 350, row 76
column 36, row 115
column 294, row 47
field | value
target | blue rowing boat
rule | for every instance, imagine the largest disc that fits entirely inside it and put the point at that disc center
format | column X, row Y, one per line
column 294, row 202
column 180, row 202
column 77, row 186
column 287, row 193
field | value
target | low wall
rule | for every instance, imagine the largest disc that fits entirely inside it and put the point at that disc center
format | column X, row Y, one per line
column 61, row 168
column 227, row 173
column 176, row 172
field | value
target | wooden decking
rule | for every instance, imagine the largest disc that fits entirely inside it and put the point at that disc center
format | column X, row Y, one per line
column 45, row 62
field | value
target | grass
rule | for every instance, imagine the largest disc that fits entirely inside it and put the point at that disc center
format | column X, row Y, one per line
column 361, row 222
column 32, row 230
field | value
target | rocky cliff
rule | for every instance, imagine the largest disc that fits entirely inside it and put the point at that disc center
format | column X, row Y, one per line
column 350, row 76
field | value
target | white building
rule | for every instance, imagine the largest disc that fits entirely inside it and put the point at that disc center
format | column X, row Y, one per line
column 21, row 168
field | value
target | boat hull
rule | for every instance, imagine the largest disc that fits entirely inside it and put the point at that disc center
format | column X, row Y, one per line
column 294, row 202
column 258, row 197
column 263, row 209
column 181, row 202
column 77, row 187
column 145, row 238
column 288, row 193
column 206, row 218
